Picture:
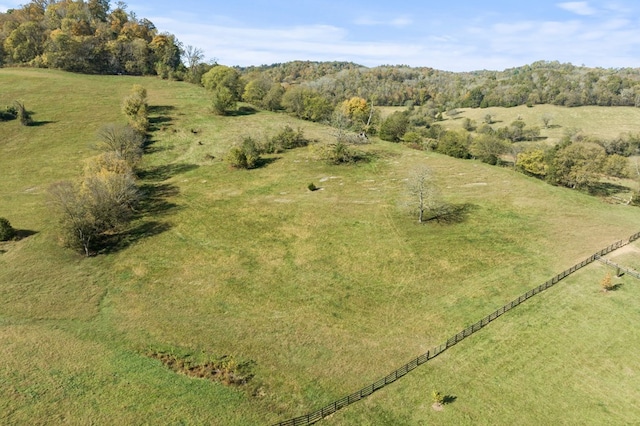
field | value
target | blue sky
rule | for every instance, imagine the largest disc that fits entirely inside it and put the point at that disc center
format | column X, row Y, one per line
column 449, row 35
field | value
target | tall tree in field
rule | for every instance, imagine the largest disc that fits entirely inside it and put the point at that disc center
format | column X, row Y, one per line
column 357, row 110
column 424, row 191
column 222, row 76
column 226, row 87
column 194, row 57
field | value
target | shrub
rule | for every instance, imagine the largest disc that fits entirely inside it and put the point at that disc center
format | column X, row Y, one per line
column 340, row 153
column 134, row 107
column 606, row 283
column 312, row 187
column 244, row 155
column 23, row 115
column 469, row 125
column 286, row 139
column 223, row 101
column 6, row 230
column 9, row 113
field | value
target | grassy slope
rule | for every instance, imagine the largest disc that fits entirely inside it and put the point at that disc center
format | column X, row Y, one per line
column 326, row 291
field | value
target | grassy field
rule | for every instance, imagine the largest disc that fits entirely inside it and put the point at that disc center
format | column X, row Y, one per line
column 326, row 291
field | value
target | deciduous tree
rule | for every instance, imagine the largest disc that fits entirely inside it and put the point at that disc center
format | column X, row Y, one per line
column 578, row 165
column 424, row 191
column 124, row 142
column 394, row 126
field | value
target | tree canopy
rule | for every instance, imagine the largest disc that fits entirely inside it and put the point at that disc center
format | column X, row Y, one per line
column 87, row 36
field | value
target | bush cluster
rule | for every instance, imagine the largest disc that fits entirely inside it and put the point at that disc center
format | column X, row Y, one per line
column 6, row 230
column 244, row 155
column 287, row 138
column 8, row 113
column 135, row 108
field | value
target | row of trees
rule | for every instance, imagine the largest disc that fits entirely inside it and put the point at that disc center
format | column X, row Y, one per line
column 539, row 83
column 102, row 202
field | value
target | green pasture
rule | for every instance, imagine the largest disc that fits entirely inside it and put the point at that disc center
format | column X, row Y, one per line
column 326, row 291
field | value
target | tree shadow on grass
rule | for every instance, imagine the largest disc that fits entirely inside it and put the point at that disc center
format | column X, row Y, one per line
column 604, row 189
column 159, row 116
column 150, row 147
column 113, row 243
column 154, row 199
column 242, row 111
column 449, row 399
column 264, row 162
column 615, row 287
column 40, row 123
column 21, row 234
column 165, row 171
column 448, row 214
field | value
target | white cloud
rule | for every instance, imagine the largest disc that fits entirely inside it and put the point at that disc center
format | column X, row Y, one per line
column 253, row 46
column 578, row 7
column 608, row 41
column 399, row 22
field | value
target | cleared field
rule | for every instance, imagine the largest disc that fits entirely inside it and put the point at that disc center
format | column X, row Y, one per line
column 326, row 291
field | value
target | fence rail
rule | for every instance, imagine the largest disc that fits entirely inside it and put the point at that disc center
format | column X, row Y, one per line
column 627, row 271
column 317, row 415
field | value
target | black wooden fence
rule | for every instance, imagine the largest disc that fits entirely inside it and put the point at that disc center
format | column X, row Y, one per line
column 621, row 269
column 317, row 415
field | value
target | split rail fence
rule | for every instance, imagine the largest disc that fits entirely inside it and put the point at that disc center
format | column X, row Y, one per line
column 329, row 409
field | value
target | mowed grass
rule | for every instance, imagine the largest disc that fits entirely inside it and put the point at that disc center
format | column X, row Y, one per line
column 327, row 291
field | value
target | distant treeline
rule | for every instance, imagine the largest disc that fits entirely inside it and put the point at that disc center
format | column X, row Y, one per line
column 92, row 37
column 539, row 83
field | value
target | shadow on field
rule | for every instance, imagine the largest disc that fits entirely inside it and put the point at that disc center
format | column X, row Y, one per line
column 607, row 188
column 165, row 171
column 263, row 162
column 452, row 213
column 159, row 116
column 449, row 399
column 114, row 243
column 40, row 123
column 24, row 233
column 154, row 199
column 150, row 147
column 243, row 110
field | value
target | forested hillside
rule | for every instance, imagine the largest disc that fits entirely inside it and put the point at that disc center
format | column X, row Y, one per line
column 88, row 37
column 542, row 82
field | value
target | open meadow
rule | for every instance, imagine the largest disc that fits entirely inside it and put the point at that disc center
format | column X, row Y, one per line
column 323, row 292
